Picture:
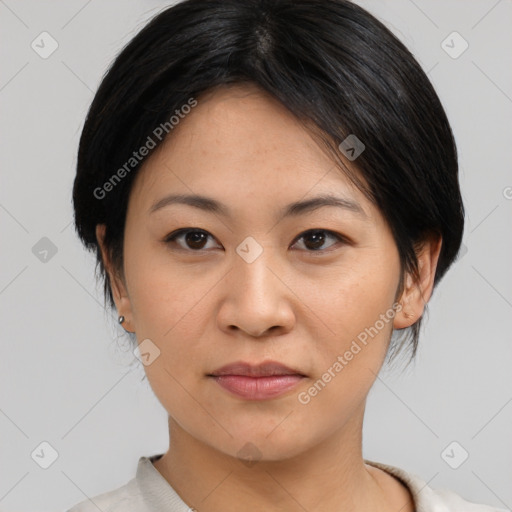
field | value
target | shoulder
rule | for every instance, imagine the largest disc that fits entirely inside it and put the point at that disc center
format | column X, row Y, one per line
column 126, row 498
column 454, row 502
column 428, row 499
column 146, row 492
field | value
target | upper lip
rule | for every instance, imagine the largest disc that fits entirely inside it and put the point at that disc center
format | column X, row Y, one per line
column 265, row 369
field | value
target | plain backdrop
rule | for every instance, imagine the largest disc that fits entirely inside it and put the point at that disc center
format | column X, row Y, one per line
column 67, row 375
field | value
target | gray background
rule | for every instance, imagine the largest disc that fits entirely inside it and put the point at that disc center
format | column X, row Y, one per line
column 67, row 375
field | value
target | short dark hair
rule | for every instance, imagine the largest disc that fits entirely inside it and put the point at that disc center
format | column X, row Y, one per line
column 333, row 65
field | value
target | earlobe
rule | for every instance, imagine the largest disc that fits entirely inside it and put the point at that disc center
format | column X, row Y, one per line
column 117, row 286
column 404, row 317
column 418, row 289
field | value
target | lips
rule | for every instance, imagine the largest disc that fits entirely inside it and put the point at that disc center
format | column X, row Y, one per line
column 267, row 369
column 257, row 382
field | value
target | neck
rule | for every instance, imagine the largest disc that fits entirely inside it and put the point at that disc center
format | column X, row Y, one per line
column 330, row 477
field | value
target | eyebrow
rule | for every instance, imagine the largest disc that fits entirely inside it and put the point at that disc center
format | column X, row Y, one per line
column 295, row 209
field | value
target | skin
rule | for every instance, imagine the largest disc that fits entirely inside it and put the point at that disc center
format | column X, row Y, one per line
column 204, row 308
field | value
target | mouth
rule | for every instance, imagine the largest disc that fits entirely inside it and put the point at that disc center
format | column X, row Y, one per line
column 257, row 382
column 267, row 369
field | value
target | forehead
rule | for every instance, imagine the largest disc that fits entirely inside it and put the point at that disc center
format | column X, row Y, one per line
column 241, row 145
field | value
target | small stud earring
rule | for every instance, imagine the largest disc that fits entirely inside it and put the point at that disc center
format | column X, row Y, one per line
column 121, row 319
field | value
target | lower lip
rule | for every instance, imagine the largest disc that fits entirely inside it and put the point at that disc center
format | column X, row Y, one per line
column 258, row 388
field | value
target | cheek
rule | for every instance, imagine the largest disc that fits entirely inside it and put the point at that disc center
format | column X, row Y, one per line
column 355, row 307
column 348, row 299
column 348, row 361
column 165, row 297
column 173, row 308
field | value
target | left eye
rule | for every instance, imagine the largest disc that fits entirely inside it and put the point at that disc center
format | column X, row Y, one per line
column 317, row 238
column 195, row 239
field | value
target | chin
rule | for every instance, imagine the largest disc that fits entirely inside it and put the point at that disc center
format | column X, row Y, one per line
column 252, row 445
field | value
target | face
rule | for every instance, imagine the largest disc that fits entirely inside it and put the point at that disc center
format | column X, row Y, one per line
column 312, row 288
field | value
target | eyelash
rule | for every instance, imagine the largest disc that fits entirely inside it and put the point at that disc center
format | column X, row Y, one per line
column 184, row 231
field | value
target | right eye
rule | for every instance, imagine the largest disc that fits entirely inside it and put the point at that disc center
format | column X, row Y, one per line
column 191, row 239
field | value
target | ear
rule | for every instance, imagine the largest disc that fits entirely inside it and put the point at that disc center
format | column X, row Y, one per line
column 117, row 282
column 418, row 290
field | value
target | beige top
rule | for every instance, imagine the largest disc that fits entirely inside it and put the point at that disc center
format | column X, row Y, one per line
column 148, row 491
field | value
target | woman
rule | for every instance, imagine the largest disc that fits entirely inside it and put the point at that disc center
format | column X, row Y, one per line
column 271, row 190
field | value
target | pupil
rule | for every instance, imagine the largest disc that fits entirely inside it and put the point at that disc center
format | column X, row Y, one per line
column 195, row 239
column 319, row 236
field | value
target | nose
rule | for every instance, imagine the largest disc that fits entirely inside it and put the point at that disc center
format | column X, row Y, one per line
column 256, row 300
